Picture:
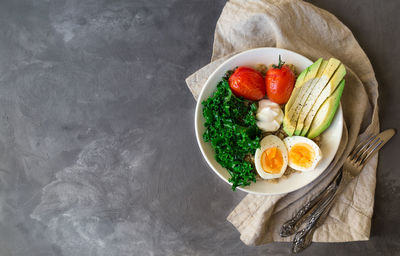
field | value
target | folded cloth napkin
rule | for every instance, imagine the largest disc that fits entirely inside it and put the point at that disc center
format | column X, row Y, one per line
column 301, row 27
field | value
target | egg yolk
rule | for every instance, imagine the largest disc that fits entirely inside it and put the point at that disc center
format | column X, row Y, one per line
column 302, row 154
column 272, row 160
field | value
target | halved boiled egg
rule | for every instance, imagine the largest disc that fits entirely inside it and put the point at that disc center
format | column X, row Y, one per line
column 303, row 153
column 271, row 158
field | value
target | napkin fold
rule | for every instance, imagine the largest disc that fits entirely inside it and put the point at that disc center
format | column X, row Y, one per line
column 301, row 27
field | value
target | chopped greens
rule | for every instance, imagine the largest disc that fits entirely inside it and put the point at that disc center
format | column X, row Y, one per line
column 231, row 128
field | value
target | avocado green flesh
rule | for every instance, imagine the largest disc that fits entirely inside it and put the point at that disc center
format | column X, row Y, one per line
column 300, row 82
column 291, row 116
column 300, row 78
column 315, row 91
column 312, row 92
column 317, row 103
column 315, row 98
column 293, row 106
column 326, row 112
column 296, row 89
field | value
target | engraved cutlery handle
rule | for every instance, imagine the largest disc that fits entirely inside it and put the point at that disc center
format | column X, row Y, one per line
column 292, row 225
column 303, row 238
column 353, row 165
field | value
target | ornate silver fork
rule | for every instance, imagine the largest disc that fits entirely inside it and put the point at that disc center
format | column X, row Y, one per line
column 315, row 212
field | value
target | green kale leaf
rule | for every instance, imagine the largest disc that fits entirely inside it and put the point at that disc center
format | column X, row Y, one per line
column 232, row 131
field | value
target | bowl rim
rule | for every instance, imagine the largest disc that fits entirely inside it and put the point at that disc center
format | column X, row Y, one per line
column 339, row 111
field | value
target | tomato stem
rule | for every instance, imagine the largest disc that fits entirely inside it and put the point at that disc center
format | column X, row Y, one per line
column 280, row 63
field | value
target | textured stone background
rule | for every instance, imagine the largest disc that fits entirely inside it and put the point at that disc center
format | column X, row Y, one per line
column 97, row 148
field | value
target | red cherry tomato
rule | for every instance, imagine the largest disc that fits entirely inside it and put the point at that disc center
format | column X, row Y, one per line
column 279, row 82
column 247, row 83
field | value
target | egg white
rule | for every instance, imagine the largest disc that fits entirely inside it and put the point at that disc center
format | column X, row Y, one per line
column 291, row 141
column 266, row 143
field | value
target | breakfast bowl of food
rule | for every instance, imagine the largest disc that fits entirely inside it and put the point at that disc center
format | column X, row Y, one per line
column 269, row 120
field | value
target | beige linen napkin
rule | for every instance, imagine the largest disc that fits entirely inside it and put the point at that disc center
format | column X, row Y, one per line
column 312, row 32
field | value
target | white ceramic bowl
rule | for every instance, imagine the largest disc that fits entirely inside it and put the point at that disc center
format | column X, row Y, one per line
column 330, row 138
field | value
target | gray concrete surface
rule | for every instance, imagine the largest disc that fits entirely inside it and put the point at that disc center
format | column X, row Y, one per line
column 97, row 148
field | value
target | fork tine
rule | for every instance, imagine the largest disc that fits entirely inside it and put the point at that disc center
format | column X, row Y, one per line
column 374, row 146
column 371, row 153
column 356, row 152
column 359, row 146
column 365, row 151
